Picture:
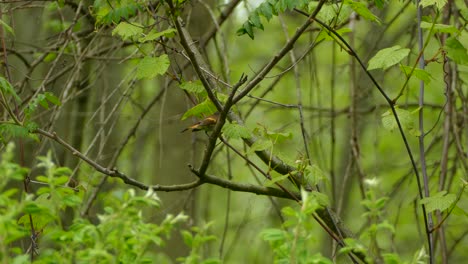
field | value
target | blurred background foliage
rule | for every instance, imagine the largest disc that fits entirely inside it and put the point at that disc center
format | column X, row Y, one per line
column 123, row 112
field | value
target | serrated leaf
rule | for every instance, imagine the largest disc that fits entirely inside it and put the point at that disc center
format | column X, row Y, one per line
column 8, row 89
column 439, row 27
column 388, row 57
column 195, row 87
column 248, row 29
column 254, row 19
column 278, row 137
column 169, row 33
column 362, row 10
column 439, row 201
column 438, row 3
column 235, row 131
column 405, row 117
column 456, row 51
column 261, row 144
column 204, row 108
column 150, row 67
column 321, row 198
column 266, row 10
column 128, row 31
column 421, row 74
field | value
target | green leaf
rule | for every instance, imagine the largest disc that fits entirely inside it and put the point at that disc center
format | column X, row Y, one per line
column 388, row 57
column 7, row 27
column 273, row 234
column 195, row 87
column 440, row 27
column 14, row 130
column 406, row 120
column 235, row 131
column 169, row 33
column 50, row 56
column 439, row 201
column 421, row 74
column 266, row 10
column 52, row 98
column 247, row 28
column 275, row 180
column 150, row 67
column 438, row 3
column 362, row 10
column 128, row 31
column 254, row 19
column 8, row 89
column 456, row 51
column 204, row 108
column 261, row 144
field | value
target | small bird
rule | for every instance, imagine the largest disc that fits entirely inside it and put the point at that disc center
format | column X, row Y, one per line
column 206, row 124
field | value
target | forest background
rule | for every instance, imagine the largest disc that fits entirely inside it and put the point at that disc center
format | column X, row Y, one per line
column 342, row 133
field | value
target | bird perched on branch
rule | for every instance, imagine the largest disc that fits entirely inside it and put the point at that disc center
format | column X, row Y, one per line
column 206, row 124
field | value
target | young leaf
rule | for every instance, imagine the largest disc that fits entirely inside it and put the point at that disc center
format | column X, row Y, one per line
column 438, row 3
column 8, row 89
column 439, row 201
column 456, row 51
column 362, row 10
column 261, row 144
column 7, row 27
column 195, row 87
column 421, row 74
column 128, row 31
column 235, row 131
column 406, row 120
column 439, row 27
column 204, row 108
column 388, row 57
column 169, row 33
column 275, row 180
column 52, row 98
column 150, row 67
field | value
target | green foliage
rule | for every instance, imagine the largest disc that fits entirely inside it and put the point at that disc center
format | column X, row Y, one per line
column 11, row 130
column 110, row 12
column 196, row 240
column 204, row 108
column 7, row 89
column 153, row 34
column 122, row 235
column 388, row 57
column 267, row 9
column 421, row 74
column 235, row 131
column 271, row 8
column 439, row 201
column 195, row 87
column 128, row 31
column 292, row 242
column 407, row 120
column 6, row 27
column 10, row 208
column 361, row 9
column 439, row 27
column 150, row 67
column 456, row 51
column 438, row 3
